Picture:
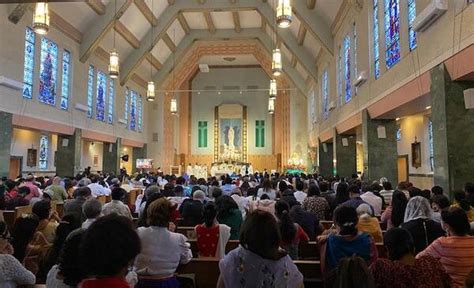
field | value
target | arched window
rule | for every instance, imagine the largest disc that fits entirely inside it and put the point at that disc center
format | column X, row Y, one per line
column 100, row 96
column 133, row 110
column 90, row 91
column 347, row 68
column 411, row 18
column 43, row 152
column 325, row 94
column 375, row 35
column 140, row 113
column 48, row 72
column 110, row 117
column 392, row 32
column 65, row 80
column 29, row 65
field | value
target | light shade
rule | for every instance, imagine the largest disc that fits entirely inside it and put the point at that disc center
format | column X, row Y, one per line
column 41, row 18
column 283, row 13
column 273, row 88
column 114, row 66
column 174, row 106
column 271, row 105
column 276, row 62
column 150, row 91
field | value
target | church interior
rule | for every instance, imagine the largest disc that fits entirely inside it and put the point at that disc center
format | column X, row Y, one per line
column 221, row 89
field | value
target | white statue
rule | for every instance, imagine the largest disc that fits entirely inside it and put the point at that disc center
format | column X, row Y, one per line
column 230, row 136
column 189, row 170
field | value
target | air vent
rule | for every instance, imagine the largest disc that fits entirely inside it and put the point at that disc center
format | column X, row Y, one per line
column 210, row 87
column 155, row 137
column 252, row 87
column 231, row 87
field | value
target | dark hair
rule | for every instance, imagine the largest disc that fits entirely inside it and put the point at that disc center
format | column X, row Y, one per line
column 441, row 200
column 286, row 224
column 83, row 192
column 159, row 213
column 460, row 197
column 264, row 197
column 225, row 205
column 387, row 185
column 469, row 188
column 108, row 246
column 353, row 189
column 23, row 232
column 346, row 218
column 342, row 193
column 142, row 221
column 413, row 191
column 216, row 193
column 323, row 186
column 209, row 214
column 260, row 234
column 69, row 262
column 353, row 272
column 313, row 190
column 266, row 185
column 456, row 218
column 179, row 191
column 282, row 186
column 398, row 242
column 118, row 193
column 437, row 190
column 24, row 190
column 42, row 209
column 399, row 205
column 299, row 185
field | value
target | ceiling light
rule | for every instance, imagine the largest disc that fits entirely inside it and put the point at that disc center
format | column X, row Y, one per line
column 273, row 88
column 276, row 62
column 174, row 106
column 114, row 64
column 41, row 18
column 283, row 14
column 271, row 105
column 150, row 91
column 398, row 118
column 428, row 107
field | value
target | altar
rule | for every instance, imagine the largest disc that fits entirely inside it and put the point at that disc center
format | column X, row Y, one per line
column 235, row 168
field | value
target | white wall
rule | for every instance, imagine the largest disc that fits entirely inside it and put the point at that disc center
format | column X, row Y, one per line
column 298, row 124
column 89, row 151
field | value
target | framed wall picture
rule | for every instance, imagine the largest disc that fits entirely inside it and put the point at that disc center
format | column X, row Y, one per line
column 31, row 157
column 416, row 154
column 96, row 160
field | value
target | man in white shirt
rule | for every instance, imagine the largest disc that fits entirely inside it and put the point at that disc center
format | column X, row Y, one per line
column 374, row 200
column 116, row 206
column 242, row 202
column 96, row 188
column 299, row 194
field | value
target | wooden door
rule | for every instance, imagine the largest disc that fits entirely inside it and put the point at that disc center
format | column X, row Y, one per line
column 402, row 168
column 15, row 167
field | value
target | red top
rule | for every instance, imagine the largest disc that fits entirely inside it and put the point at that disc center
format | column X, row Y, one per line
column 207, row 240
column 115, row 282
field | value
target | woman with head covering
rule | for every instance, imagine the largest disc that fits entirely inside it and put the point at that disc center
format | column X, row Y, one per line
column 368, row 223
column 418, row 221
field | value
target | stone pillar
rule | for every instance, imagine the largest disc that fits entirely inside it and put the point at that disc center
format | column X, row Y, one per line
column 138, row 153
column 6, row 134
column 111, row 157
column 68, row 154
column 345, row 154
column 380, row 151
column 326, row 159
column 453, row 139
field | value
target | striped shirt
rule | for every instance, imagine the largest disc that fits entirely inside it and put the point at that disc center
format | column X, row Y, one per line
column 456, row 254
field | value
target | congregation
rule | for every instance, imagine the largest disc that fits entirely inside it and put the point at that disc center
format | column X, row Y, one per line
column 363, row 234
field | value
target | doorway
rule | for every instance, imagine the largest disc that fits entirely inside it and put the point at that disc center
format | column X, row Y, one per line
column 15, row 166
column 402, row 165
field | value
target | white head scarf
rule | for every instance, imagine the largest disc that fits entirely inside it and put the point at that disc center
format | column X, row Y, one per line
column 418, row 207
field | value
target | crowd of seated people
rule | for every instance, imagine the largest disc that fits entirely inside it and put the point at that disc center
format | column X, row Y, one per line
column 426, row 236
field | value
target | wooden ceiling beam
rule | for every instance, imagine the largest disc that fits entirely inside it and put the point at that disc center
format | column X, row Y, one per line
column 65, row 27
column 127, row 34
column 301, row 34
column 146, row 11
column 263, row 24
column 166, row 38
column 153, row 61
column 171, row 2
column 139, row 80
column 236, row 17
column 184, row 23
column 294, row 61
column 311, row 4
column 97, row 6
column 102, row 54
column 210, row 23
column 16, row 12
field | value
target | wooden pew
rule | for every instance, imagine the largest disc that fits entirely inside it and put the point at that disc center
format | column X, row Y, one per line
column 132, row 196
column 22, row 210
column 186, row 231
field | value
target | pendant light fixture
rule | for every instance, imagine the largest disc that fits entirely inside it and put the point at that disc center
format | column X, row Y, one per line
column 273, row 88
column 173, row 103
column 174, row 106
column 150, row 91
column 276, row 62
column 114, row 62
column 41, row 18
column 271, row 105
column 283, row 13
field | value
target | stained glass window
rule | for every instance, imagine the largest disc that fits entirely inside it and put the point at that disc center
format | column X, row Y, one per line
column 430, row 141
column 140, row 112
column 347, row 68
column 127, row 105
column 411, row 18
column 339, row 76
column 260, row 133
column 100, row 97
column 399, row 133
column 392, row 32
column 354, row 51
column 110, row 112
column 375, row 35
column 43, row 152
column 29, row 65
column 90, row 91
column 133, row 110
column 325, row 94
column 48, row 72
column 65, row 80
column 202, row 134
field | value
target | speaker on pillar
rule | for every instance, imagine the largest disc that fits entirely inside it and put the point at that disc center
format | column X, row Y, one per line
column 111, row 146
column 381, row 132
column 65, row 142
column 124, row 158
column 345, row 142
column 325, row 148
column 469, row 98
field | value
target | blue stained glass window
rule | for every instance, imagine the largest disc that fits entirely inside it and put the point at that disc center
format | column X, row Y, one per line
column 347, row 68
column 65, row 80
column 392, row 32
column 110, row 115
column 430, row 141
column 133, row 110
column 43, row 152
column 140, row 112
column 354, row 51
column 48, row 72
column 375, row 34
column 411, row 18
column 29, row 65
column 127, row 105
column 399, row 133
column 100, row 97
column 339, row 76
column 90, row 91
column 325, row 94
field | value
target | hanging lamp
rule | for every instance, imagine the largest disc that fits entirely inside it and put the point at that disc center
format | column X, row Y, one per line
column 150, row 91
column 271, row 105
column 276, row 62
column 41, row 18
column 114, row 61
column 273, row 88
column 173, row 103
column 283, row 14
